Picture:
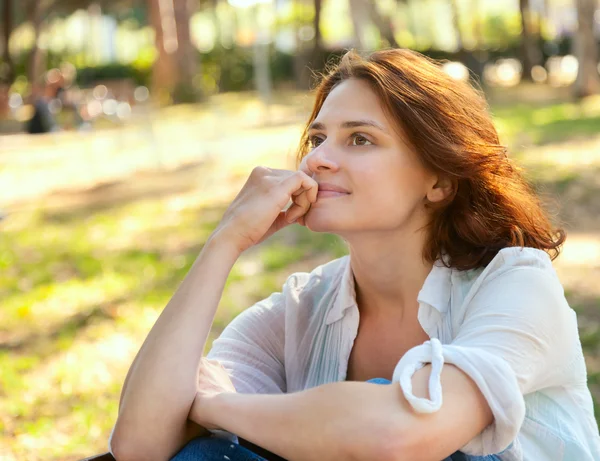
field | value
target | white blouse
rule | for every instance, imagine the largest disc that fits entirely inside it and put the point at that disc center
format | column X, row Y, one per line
column 508, row 326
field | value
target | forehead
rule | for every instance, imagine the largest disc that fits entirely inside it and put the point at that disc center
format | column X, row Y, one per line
column 352, row 99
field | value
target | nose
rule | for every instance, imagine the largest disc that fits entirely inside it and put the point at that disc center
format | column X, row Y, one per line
column 319, row 160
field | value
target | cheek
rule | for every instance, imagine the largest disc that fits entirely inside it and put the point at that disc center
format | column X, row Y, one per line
column 392, row 195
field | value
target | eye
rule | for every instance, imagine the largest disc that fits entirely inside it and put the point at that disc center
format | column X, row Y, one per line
column 360, row 140
column 314, row 141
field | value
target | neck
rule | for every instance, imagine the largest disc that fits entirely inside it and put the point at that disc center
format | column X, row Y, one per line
column 389, row 271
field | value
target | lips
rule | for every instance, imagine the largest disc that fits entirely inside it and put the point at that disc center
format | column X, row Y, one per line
column 330, row 193
column 326, row 187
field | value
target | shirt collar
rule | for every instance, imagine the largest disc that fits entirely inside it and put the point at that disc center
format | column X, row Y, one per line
column 437, row 287
column 346, row 295
column 435, row 291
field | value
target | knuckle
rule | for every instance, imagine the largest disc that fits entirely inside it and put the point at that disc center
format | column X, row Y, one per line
column 259, row 171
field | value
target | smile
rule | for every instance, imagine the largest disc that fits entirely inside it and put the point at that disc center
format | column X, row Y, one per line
column 330, row 194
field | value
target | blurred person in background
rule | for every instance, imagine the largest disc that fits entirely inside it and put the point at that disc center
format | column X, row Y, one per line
column 443, row 335
column 44, row 97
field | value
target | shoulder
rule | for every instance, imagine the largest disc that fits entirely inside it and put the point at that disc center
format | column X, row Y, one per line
column 511, row 265
column 520, row 284
column 511, row 258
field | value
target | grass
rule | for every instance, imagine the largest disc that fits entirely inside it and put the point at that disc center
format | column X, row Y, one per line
column 82, row 289
column 524, row 124
column 83, row 283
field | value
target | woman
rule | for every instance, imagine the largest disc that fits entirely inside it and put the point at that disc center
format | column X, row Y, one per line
column 448, row 292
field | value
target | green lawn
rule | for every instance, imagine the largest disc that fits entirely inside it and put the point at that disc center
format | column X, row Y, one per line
column 82, row 285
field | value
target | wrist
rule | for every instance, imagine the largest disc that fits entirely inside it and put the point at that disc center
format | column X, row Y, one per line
column 212, row 412
column 222, row 242
column 217, row 243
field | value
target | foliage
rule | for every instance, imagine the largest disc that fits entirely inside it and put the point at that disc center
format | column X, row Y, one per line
column 88, row 75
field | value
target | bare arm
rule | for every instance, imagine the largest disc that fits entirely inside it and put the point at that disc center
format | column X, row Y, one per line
column 161, row 383
column 153, row 421
column 353, row 420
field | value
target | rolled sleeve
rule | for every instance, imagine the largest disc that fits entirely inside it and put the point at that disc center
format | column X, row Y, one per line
column 516, row 337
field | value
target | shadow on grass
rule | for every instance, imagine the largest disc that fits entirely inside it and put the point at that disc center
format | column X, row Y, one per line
column 65, row 330
column 66, row 206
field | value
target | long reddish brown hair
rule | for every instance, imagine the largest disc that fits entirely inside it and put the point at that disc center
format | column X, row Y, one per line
column 447, row 123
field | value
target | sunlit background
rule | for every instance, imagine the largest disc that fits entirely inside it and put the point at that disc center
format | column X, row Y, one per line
column 127, row 127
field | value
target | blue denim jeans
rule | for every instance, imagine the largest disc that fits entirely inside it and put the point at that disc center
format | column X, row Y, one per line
column 217, row 449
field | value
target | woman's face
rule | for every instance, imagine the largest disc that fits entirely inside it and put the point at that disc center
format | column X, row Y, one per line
column 355, row 146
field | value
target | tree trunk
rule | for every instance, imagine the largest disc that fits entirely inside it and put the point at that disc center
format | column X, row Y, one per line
column 37, row 58
column 302, row 56
column 409, row 19
column 456, row 23
column 317, row 25
column 383, row 23
column 586, row 50
column 6, row 32
column 476, row 61
column 359, row 14
column 317, row 58
column 176, row 64
column 186, row 56
column 530, row 55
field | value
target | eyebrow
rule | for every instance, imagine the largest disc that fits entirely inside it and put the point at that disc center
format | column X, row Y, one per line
column 350, row 124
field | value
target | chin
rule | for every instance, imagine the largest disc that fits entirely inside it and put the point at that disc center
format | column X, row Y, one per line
column 322, row 222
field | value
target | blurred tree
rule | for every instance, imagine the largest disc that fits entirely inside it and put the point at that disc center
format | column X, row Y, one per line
column 410, row 20
column 475, row 60
column 586, row 50
column 306, row 15
column 359, row 14
column 36, row 12
column 383, row 23
column 7, row 27
column 530, row 52
column 318, row 45
column 177, row 62
column 364, row 12
column 456, row 24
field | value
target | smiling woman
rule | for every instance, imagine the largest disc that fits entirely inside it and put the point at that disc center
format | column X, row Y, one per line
column 448, row 298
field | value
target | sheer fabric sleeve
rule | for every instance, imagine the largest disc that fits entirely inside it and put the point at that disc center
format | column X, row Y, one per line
column 251, row 350
column 517, row 337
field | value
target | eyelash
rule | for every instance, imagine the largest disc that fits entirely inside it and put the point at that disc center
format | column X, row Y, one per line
column 312, row 139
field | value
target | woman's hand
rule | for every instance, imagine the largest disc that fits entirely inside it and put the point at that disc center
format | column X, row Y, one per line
column 212, row 381
column 255, row 214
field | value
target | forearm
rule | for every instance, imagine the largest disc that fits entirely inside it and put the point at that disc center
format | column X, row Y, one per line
column 161, row 384
column 346, row 420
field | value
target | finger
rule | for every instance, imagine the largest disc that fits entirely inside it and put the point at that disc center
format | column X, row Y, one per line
column 313, row 189
column 300, row 182
column 302, row 200
column 300, row 206
column 294, row 212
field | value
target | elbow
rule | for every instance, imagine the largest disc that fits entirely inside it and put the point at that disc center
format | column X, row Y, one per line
column 128, row 446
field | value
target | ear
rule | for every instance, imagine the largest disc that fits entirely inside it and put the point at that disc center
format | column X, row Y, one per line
column 441, row 190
